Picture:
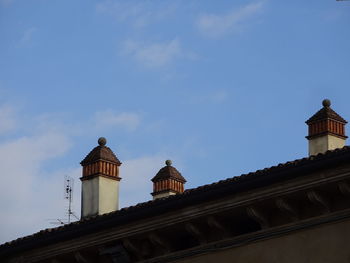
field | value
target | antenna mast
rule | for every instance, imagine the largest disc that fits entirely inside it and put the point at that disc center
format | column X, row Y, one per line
column 68, row 194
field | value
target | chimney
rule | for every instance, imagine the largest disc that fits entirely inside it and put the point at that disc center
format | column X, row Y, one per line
column 326, row 130
column 100, row 181
column 168, row 181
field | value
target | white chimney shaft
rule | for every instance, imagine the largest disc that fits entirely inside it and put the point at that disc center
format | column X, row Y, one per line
column 100, row 181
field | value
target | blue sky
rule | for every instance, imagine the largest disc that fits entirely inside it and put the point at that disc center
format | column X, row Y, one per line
column 220, row 87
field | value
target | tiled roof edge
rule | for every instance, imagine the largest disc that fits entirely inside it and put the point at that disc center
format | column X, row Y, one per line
column 189, row 197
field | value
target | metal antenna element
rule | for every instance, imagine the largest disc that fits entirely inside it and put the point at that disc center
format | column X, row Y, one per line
column 68, row 194
column 56, row 221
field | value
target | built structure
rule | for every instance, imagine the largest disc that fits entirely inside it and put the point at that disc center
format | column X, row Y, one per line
column 298, row 211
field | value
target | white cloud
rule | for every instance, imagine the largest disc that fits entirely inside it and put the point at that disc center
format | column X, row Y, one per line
column 8, row 120
column 27, row 35
column 153, row 55
column 27, row 193
column 107, row 119
column 31, row 193
column 31, row 199
column 136, row 174
column 213, row 25
column 138, row 14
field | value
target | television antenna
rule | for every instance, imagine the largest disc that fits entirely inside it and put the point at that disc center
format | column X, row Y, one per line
column 68, row 195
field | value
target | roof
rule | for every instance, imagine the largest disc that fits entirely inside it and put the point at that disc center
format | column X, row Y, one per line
column 244, row 182
column 100, row 152
column 326, row 113
column 168, row 172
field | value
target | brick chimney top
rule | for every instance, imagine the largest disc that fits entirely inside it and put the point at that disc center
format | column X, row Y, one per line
column 101, row 152
column 168, row 181
column 168, row 172
column 326, row 121
column 326, row 130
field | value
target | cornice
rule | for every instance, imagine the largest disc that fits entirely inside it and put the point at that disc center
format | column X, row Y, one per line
column 252, row 198
column 252, row 237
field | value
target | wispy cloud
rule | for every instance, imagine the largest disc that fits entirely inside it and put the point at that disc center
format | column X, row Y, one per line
column 137, row 173
column 27, row 36
column 108, row 119
column 26, row 190
column 215, row 25
column 154, row 55
column 30, row 189
column 138, row 14
column 8, row 119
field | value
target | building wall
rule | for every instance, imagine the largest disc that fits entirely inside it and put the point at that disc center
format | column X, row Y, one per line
column 99, row 196
column 109, row 194
column 89, row 194
column 323, row 244
column 324, row 143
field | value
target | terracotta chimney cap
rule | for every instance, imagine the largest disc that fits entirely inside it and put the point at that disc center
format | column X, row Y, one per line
column 326, row 113
column 100, row 152
column 168, row 172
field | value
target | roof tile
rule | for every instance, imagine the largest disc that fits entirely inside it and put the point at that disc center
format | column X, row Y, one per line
column 326, row 113
column 100, row 152
column 320, row 158
column 168, row 172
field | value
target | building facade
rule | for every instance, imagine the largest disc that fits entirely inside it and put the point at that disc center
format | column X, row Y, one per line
column 297, row 211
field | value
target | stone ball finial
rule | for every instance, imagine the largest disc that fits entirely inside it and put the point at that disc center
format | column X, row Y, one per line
column 326, row 103
column 168, row 162
column 102, row 141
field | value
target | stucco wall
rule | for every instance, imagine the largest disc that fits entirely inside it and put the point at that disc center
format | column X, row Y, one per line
column 89, row 194
column 323, row 143
column 109, row 192
column 325, row 244
column 99, row 196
